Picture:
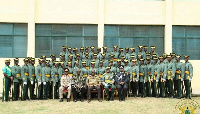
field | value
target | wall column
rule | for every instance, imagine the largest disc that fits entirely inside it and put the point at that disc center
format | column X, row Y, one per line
column 168, row 27
column 101, row 23
column 31, row 29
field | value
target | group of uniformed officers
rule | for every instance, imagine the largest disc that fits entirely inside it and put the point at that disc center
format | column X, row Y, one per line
column 81, row 72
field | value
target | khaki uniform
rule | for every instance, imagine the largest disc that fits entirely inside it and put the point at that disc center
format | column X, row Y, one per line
column 65, row 81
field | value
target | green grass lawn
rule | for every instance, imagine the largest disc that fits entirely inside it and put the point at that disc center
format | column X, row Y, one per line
column 130, row 106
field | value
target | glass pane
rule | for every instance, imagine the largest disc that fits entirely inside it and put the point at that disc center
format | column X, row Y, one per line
column 59, row 30
column 20, row 29
column 193, row 48
column 141, row 31
column 179, row 46
column 20, row 46
column 43, row 30
column 159, row 43
column 6, row 29
column 111, row 30
column 74, row 30
column 90, row 30
column 43, row 46
column 75, row 42
column 57, row 42
column 110, row 42
column 126, row 31
column 178, row 31
column 193, row 32
column 90, row 41
column 156, row 31
column 5, row 46
column 126, row 42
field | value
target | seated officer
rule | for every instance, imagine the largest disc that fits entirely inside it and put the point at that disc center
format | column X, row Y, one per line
column 65, row 82
column 121, row 80
column 79, row 85
column 93, row 82
column 108, row 83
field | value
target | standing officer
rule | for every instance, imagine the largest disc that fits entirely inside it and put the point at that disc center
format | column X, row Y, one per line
column 143, row 75
column 178, row 76
column 115, row 52
column 53, row 59
column 55, row 79
column 38, row 73
column 32, row 77
column 149, row 76
column 134, row 77
column 154, row 78
column 16, row 72
column 108, row 83
column 79, row 85
column 93, row 82
column 25, row 74
column 7, row 80
column 188, row 76
column 46, row 79
column 63, row 52
column 66, row 81
column 121, row 80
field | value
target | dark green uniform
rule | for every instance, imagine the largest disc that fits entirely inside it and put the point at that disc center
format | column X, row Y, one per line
column 134, row 79
column 108, row 83
column 38, row 73
column 46, row 79
column 55, row 79
column 16, row 72
column 32, row 80
column 179, row 78
column 25, row 75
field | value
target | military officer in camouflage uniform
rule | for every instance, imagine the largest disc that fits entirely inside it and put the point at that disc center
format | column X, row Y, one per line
column 46, row 79
column 25, row 74
column 121, row 80
column 78, row 85
column 178, row 76
column 134, row 78
column 93, row 82
column 108, row 83
column 188, row 70
column 32, row 77
column 66, row 81
column 38, row 73
column 16, row 72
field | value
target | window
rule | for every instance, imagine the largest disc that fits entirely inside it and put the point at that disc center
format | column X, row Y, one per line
column 13, row 40
column 186, row 40
column 132, row 36
column 50, row 37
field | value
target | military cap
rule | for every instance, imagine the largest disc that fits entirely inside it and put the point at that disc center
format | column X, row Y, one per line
column 140, row 46
column 98, row 48
column 121, row 66
column 77, row 54
column 115, row 46
column 76, row 61
column 132, row 48
column 64, row 46
column 69, row 48
column 83, row 62
column 66, row 69
column 69, row 62
column 110, row 61
column 132, row 56
column 70, row 55
column 154, row 55
column 93, row 62
column 103, row 54
column 101, row 61
column 108, row 67
column 6, row 61
column 148, row 59
column 111, row 55
column 16, row 59
column 43, row 56
column 134, row 60
column 161, row 57
column 186, row 56
column 139, row 55
column 32, row 59
column 55, row 62
column 126, row 61
column 172, row 54
column 153, row 47
column 62, row 55
column 81, row 48
column 127, row 48
column 61, row 62
column 40, row 59
column 74, row 49
column 26, row 59
column 141, row 59
column 86, row 48
column 145, row 46
column 168, row 56
column 94, row 54
column 118, row 60
column 92, row 47
column 155, row 58
column 178, row 56
column 47, row 61
column 53, row 55
column 164, row 54
column 104, row 47
column 148, row 54
column 121, row 49
column 122, row 57
column 86, row 53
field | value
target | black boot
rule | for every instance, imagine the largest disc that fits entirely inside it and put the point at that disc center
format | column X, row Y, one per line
column 61, row 100
column 68, row 100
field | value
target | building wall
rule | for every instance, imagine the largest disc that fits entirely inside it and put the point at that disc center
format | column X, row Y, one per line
column 119, row 12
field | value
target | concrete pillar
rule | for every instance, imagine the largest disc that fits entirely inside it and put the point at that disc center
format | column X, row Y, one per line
column 101, row 23
column 31, row 29
column 168, row 27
